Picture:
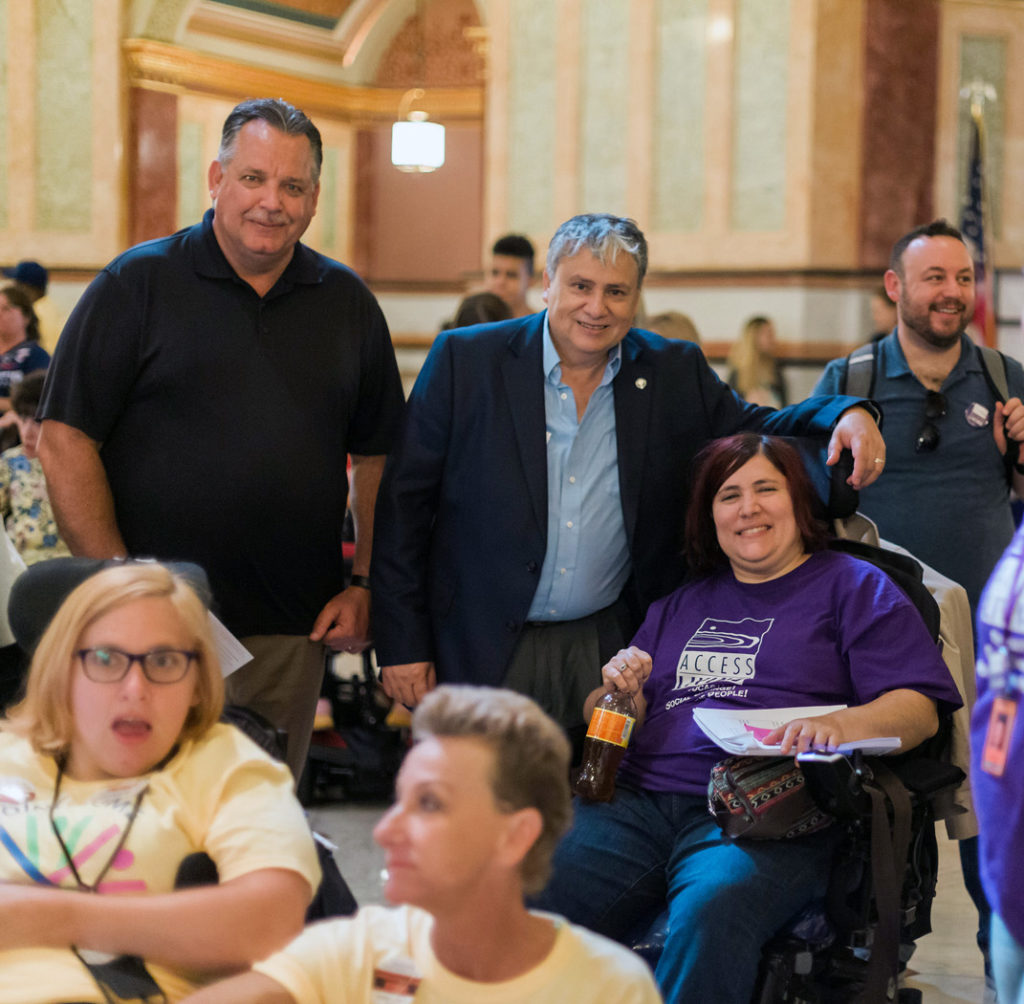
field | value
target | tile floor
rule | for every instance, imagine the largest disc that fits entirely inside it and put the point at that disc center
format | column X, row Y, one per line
column 946, row 966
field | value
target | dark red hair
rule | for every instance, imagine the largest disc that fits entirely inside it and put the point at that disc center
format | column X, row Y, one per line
column 722, row 458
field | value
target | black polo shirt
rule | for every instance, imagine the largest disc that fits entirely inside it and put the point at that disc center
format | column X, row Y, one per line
column 225, row 418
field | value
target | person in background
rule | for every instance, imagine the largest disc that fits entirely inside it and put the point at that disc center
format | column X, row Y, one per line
column 754, row 370
column 24, row 501
column 20, row 351
column 952, row 464
column 480, row 308
column 510, row 272
column 35, row 280
column 481, row 801
column 673, row 324
column 116, row 769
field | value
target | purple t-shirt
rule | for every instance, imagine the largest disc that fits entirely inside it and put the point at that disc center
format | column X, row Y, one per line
column 836, row 630
column 999, row 801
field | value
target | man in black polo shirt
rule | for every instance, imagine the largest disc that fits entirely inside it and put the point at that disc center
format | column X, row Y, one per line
column 202, row 402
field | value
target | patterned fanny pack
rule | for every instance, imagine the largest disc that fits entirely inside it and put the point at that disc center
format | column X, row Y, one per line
column 763, row 798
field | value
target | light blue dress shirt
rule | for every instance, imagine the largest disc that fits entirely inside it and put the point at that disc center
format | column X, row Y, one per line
column 587, row 560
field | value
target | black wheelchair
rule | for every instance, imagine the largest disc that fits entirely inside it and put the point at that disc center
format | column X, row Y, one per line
column 851, row 946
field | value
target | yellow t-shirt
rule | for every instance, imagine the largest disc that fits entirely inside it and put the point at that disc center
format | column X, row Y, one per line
column 339, row 962
column 220, row 794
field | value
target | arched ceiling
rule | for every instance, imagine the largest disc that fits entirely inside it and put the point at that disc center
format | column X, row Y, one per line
column 343, row 40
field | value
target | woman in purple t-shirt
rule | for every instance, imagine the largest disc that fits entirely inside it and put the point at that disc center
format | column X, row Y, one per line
column 770, row 619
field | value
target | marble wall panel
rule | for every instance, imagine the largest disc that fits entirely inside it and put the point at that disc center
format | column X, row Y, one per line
column 64, row 96
column 193, row 197
column 532, row 103
column 677, row 198
column 153, row 164
column 901, row 91
column 604, row 106
column 5, row 119
column 327, row 207
column 758, row 190
column 983, row 60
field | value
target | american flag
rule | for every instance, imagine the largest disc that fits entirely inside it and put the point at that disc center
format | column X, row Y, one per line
column 974, row 224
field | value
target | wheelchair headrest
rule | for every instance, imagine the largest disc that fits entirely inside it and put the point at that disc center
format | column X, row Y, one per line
column 40, row 590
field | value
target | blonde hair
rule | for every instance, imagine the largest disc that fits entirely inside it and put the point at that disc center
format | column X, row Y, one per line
column 531, row 759
column 44, row 716
column 749, row 367
column 674, row 324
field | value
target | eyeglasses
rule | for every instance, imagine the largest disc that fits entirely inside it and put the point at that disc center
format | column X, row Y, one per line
column 111, row 665
column 928, row 435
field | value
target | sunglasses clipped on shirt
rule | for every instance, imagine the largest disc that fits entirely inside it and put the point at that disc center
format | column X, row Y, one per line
column 928, row 435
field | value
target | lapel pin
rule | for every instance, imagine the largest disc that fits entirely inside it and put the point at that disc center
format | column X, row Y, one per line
column 640, row 383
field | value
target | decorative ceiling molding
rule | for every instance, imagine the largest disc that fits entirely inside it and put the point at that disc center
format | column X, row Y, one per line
column 159, row 66
column 367, row 29
column 241, row 25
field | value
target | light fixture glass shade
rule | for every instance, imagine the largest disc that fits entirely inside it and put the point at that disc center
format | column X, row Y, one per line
column 417, row 145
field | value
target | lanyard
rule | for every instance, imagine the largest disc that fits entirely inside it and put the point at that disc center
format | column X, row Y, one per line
column 84, row 886
column 124, row 978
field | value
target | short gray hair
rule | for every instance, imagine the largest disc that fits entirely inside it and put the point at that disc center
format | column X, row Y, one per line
column 604, row 236
column 279, row 115
column 531, row 758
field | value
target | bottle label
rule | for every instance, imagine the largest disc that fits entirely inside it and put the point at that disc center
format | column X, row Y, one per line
column 610, row 727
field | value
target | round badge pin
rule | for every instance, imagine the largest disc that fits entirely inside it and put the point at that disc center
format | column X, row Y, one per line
column 976, row 415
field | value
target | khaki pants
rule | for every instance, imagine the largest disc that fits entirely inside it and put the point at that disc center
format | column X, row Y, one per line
column 283, row 684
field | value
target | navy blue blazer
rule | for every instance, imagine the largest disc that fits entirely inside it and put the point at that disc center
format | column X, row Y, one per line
column 461, row 522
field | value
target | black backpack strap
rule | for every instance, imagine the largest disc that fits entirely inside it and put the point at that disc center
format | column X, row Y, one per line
column 861, row 364
column 993, row 365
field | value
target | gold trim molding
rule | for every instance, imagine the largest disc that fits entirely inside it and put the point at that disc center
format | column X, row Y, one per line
column 159, row 66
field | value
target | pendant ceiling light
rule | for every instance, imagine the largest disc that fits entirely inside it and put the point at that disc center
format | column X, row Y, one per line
column 416, row 144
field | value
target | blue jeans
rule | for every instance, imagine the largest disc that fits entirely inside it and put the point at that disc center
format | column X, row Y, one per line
column 624, row 860
column 1007, row 963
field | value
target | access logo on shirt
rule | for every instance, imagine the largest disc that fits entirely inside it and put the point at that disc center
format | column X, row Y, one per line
column 721, row 652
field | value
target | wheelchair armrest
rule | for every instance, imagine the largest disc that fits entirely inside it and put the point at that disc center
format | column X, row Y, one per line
column 925, row 778
column 836, row 782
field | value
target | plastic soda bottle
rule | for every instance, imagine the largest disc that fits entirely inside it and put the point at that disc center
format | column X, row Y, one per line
column 611, row 725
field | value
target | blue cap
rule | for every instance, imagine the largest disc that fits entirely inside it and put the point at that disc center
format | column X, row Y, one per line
column 31, row 273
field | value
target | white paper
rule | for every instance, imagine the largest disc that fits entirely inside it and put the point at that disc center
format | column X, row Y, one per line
column 740, row 731
column 233, row 654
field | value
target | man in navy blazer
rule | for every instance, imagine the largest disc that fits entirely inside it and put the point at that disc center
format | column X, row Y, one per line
column 530, row 511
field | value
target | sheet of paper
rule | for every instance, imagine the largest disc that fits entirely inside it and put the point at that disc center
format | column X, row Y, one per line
column 233, row 654
column 742, row 731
